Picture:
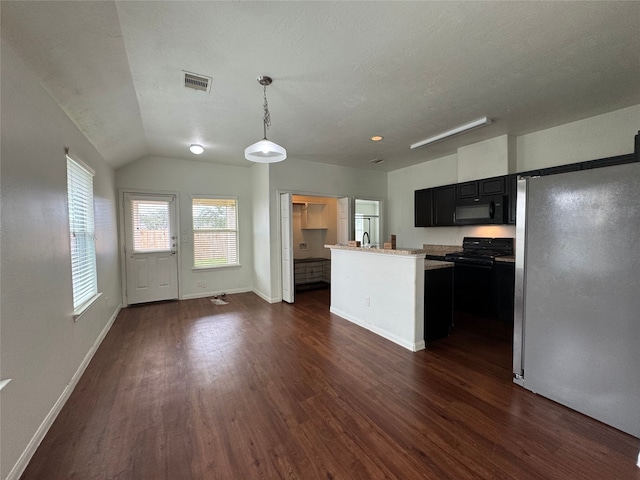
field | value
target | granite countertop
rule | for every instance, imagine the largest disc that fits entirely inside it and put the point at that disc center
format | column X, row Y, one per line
column 436, row 264
column 397, row 251
column 440, row 250
column 506, row 259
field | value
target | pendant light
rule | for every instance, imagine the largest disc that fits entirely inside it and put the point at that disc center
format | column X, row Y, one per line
column 265, row 151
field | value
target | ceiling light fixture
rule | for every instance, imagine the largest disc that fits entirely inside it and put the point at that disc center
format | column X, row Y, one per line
column 376, row 138
column 265, row 151
column 196, row 149
column 454, row 131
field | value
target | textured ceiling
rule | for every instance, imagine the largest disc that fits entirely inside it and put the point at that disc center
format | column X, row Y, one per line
column 343, row 71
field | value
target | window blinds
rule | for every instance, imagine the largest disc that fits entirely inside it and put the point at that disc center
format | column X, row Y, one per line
column 151, row 225
column 215, row 232
column 82, row 232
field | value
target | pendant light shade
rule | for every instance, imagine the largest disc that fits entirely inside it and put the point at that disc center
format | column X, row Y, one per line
column 265, row 151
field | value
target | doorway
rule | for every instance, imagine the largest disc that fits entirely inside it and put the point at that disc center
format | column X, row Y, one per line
column 150, row 247
column 367, row 222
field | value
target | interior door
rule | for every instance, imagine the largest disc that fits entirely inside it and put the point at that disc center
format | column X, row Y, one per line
column 288, row 286
column 344, row 220
column 150, row 247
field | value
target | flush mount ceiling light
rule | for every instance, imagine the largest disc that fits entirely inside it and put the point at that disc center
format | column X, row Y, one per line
column 196, row 149
column 376, row 138
column 454, row 131
column 265, row 151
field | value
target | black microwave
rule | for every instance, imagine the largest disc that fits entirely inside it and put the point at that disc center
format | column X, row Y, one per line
column 489, row 210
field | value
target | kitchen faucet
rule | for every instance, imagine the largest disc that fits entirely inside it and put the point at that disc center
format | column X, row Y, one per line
column 368, row 239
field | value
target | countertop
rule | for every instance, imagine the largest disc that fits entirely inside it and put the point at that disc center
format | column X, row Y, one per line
column 397, row 251
column 436, row 264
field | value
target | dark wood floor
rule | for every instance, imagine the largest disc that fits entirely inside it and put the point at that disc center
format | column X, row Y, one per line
column 191, row 390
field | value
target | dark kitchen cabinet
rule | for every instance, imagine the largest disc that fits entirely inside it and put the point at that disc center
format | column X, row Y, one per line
column 423, row 208
column 438, row 303
column 512, row 195
column 444, row 206
column 493, row 186
column 572, row 167
column 467, row 190
column 607, row 162
column 503, row 290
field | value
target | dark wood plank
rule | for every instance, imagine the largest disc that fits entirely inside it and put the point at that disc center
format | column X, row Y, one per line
column 192, row 390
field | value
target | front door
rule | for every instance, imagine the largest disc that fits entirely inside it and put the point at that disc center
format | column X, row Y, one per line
column 150, row 247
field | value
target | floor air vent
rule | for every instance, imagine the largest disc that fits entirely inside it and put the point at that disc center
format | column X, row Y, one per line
column 197, row 82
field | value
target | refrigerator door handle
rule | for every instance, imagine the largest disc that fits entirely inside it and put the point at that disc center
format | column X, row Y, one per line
column 519, row 298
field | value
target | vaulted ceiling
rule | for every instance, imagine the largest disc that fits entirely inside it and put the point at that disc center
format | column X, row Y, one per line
column 343, row 71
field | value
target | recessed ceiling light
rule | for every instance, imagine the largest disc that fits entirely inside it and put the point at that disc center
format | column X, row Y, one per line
column 196, row 149
column 377, row 138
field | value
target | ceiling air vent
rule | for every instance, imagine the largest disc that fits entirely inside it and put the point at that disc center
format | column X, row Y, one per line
column 197, row 82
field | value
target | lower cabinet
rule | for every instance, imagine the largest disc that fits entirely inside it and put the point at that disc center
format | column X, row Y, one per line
column 438, row 303
column 504, row 277
column 485, row 291
column 311, row 273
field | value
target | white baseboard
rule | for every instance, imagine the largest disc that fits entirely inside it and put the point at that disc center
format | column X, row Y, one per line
column 267, row 298
column 42, row 430
column 191, row 296
column 413, row 346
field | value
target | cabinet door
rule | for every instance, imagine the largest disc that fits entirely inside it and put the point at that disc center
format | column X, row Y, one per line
column 512, row 194
column 493, row 186
column 572, row 167
column 444, row 206
column 467, row 190
column 423, row 208
column 608, row 162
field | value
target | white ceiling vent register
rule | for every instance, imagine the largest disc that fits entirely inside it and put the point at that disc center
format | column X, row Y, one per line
column 197, row 82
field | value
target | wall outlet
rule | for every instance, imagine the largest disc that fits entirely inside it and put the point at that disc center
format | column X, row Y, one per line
column 303, row 246
column 367, row 301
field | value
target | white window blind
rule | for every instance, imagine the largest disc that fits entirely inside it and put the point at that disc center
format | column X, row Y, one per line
column 83, row 245
column 151, row 230
column 215, row 232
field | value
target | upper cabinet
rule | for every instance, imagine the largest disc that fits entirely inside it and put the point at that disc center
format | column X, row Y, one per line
column 435, row 207
column 444, row 206
column 314, row 216
column 423, row 208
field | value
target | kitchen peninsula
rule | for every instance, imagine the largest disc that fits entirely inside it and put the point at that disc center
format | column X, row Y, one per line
column 382, row 290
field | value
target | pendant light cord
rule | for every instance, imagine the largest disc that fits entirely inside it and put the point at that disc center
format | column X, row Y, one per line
column 267, row 116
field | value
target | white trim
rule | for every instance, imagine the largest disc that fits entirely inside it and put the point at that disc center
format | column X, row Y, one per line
column 414, row 347
column 32, row 446
column 191, row 296
column 267, row 298
column 78, row 312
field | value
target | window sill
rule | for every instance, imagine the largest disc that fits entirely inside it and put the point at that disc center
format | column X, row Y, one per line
column 219, row 267
column 77, row 313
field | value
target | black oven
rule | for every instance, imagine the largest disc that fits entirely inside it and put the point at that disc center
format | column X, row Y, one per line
column 489, row 210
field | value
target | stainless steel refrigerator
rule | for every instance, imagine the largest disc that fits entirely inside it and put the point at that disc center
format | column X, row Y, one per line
column 577, row 312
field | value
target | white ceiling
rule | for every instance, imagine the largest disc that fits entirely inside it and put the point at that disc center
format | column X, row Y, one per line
column 342, row 71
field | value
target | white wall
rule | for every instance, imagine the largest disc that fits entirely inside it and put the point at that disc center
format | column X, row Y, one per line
column 602, row 136
column 42, row 349
column 261, row 231
column 187, row 178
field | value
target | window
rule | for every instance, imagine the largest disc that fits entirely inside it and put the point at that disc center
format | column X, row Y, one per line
column 215, row 232
column 150, row 219
column 82, row 232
